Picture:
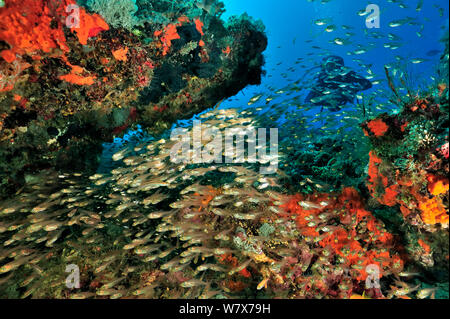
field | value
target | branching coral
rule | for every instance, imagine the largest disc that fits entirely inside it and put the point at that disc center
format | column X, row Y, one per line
column 213, row 7
column 117, row 13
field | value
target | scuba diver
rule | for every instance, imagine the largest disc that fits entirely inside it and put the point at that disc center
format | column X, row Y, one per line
column 336, row 85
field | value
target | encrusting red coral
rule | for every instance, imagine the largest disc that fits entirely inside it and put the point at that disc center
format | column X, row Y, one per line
column 120, row 54
column 425, row 246
column 199, row 26
column 170, row 33
column 78, row 79
column 378, row 127
column 167, row 35
column 390, row 195
column 437, row 185
column 76, row 75
column 36, row 27
column 226, row 51
column 433, row 211
column 27, row 28
column 89, row 26
column 355, row 231
column 8, row 56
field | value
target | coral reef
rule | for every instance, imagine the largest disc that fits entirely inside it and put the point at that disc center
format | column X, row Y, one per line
column 408, row 170
column 79, row 78
column 88, row 96
column 152, row 228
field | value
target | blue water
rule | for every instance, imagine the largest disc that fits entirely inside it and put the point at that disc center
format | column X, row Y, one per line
column 292, row 32
column 286, row 20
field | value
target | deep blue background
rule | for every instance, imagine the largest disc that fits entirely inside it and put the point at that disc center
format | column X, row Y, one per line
column 289, row 19
column 286, row 20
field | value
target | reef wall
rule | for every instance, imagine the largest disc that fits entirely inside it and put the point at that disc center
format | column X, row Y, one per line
column 408, row 171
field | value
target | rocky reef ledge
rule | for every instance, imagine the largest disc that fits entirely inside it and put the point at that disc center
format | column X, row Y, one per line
column 75, row 75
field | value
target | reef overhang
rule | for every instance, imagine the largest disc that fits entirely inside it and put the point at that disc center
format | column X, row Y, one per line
column 72, row 79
